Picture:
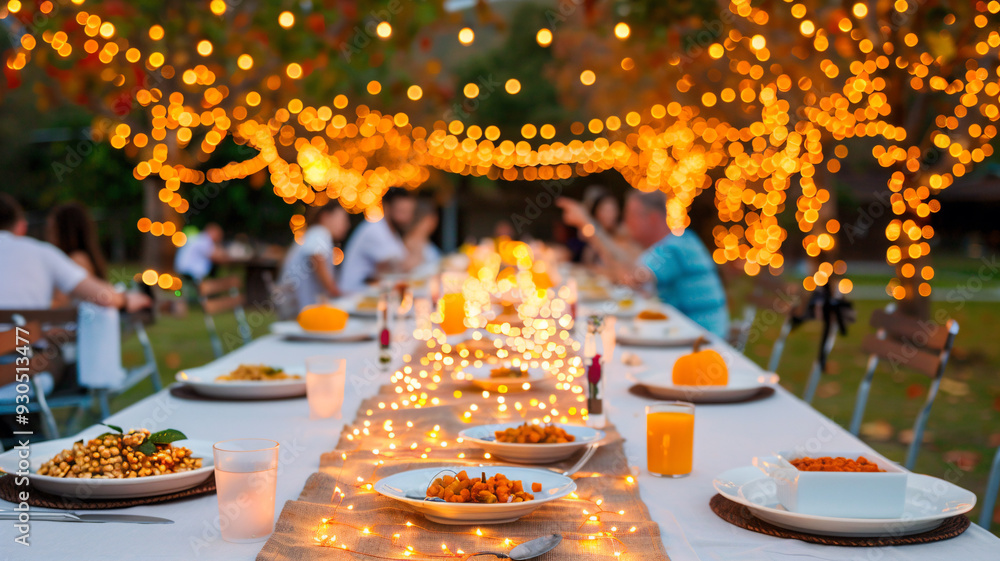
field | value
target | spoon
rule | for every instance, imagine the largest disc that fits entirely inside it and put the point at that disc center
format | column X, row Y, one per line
column 527, row 550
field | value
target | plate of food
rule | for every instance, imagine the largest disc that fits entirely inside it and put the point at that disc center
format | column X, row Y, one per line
column 531, row 443
column 928, row 501
column 353, row 331
column 68, row 467
column 501, row 378
column 463, row 495
column 704, row 376
column 245, row 381
column 653, row 327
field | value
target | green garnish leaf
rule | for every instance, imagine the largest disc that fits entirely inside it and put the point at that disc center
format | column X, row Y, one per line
column 147, row 448
column 166, row 436
column 118, row 429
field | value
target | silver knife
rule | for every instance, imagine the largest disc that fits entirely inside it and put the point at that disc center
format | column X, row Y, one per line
column 70, row 516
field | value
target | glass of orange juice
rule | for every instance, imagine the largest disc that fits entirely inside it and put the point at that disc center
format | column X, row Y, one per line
column 452, row 304
column 670, row 438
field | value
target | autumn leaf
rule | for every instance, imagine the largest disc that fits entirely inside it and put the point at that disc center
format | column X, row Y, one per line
column 964, row 460
column 879, row 430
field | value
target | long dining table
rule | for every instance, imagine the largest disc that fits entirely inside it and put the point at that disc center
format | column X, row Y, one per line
column 726, row 436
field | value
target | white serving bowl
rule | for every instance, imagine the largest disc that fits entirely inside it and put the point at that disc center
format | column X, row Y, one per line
column 839, row 494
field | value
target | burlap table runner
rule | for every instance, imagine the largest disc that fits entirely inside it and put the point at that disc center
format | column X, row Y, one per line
column 338, row 516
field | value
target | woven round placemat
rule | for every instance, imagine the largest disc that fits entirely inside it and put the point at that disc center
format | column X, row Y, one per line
column 9, row 492
column 183, row 391
column 642, row 391
column 739, row 515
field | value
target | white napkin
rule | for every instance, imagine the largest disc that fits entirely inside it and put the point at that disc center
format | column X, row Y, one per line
column 99, row 342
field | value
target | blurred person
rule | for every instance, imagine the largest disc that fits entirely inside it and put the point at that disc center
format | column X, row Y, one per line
column 376, row 248
column 308, row 269
column 681, row 267
column 504, row 229
column 70, row 228
column 33, row 270
column 606, row 212
column 197, row 258
column 418, row 238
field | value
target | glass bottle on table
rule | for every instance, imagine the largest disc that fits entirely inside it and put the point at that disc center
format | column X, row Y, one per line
column 384, row 336
column 594, row 368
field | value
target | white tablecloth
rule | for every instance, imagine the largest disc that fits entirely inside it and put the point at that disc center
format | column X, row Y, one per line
column 726, row 436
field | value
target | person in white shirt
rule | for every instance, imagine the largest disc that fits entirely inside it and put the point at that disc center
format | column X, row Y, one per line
column 196, row 258
column 33, row 270
column 308, row 270
column 376, row 248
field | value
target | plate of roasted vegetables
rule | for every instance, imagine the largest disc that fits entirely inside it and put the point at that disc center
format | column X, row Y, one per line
column 464, row 495
column 532, row 443
column 502, row 378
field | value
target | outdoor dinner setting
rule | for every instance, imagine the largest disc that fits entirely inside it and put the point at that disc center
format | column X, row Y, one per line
column 499, row 279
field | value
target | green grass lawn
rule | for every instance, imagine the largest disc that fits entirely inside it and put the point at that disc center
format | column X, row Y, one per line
column 964, row 426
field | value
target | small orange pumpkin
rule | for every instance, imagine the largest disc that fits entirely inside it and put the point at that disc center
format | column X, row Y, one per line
column 701, row 368
column 321, row 317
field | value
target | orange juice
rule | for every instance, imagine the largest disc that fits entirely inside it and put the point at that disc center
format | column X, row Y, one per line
column 453, row 314
column 669, row 440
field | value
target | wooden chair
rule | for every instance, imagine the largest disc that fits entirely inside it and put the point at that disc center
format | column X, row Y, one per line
column 771, row 300
column 990, row 498
column 223, row 295
column 61, row 324
column 30, row 328
column 903, row 341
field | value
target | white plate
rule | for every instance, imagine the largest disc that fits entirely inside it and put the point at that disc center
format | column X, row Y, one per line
column 415, row 482
column 744, row 383
column 153, row 485
column 675, row 334
column 203, row 380
column 484, row 437
column 929, row 501
column 616, row 308
column 480, row 378
column 353, row 331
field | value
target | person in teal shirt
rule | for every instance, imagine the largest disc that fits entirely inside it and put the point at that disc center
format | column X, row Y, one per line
column 680, row 267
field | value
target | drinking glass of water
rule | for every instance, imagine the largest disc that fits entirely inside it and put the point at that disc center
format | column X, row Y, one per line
column 246, row 475
column 325, row 378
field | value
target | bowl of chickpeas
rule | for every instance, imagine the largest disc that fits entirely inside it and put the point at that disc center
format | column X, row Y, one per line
column 102, row 464
column 532, row 443
column 462, row 495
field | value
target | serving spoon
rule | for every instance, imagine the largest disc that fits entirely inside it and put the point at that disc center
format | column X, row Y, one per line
column 528, row 549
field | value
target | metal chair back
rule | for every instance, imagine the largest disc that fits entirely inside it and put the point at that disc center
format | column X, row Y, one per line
column 223, row 295
column 906, row 342
column 992, row 488
column 57, row 326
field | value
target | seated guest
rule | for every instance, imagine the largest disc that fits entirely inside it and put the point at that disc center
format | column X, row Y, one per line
column 71, row 229
column 197, row 258
column 681, row 266
column 33, row 270
column 606, row 212
column 308, row 269
column 418, row 238
column 376, row 248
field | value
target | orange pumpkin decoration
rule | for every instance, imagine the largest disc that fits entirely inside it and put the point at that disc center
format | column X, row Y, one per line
column 701, row 368
column 321, row 317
